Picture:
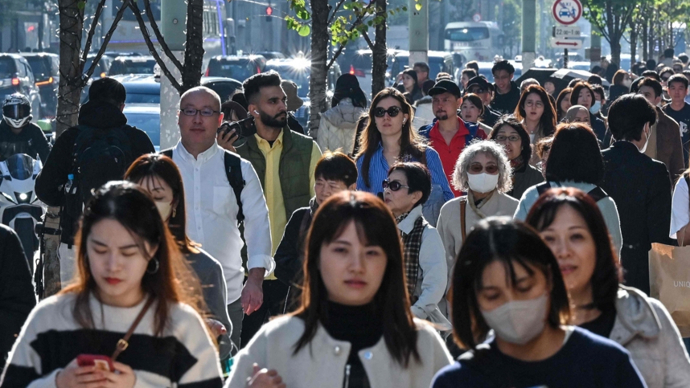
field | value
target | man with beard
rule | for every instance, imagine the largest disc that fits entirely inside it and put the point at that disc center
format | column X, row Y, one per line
column 449, row 134
column 285, row 162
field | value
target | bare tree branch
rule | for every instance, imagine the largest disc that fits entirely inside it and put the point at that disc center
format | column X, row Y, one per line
column 335, row 11
column 92, row 30
column 368, row 40
column 159, row 36
column 106, row 40
column 147, row 38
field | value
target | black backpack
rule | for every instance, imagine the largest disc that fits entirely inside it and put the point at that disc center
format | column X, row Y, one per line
column 596, row 193
column 233, row 171
column 99, row 156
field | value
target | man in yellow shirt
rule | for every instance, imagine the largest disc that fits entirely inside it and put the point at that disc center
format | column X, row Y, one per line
column 285, row 162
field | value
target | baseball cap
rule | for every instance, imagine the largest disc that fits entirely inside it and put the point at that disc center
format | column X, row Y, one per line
column 479, row 81
column 445, row 86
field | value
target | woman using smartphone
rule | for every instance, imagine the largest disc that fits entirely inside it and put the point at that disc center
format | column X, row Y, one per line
column 130, row 277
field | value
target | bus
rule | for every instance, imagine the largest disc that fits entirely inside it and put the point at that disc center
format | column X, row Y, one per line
column 479, row 41
column 128, row 38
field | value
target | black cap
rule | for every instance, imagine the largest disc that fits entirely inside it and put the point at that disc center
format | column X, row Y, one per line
column 480, row 81
column 445, row 86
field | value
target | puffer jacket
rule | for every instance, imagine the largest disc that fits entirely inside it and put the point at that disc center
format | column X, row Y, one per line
column 645, row 328
column 337, row 127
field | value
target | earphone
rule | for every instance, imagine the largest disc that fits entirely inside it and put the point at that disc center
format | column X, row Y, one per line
column 256, row 111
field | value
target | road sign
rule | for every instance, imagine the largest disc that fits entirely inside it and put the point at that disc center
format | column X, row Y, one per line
column 566, row 32
column 566, row 43
column 567, row 11
column 477, row 17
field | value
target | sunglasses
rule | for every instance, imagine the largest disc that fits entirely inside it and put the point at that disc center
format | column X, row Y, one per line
column 393, row 185
column 392, row 111
column 477, row 168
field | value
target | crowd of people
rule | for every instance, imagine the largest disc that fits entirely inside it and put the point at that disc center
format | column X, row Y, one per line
column 505, row 225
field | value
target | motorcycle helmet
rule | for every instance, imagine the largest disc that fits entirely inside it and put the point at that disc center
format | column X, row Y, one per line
column 16, row 110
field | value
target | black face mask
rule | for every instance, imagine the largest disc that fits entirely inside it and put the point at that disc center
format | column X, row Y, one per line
column 16, row 111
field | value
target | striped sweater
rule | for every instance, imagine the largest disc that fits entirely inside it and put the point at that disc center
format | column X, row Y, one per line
column 183, row 356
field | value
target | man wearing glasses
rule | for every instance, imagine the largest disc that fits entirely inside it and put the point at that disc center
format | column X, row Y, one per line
column 212, row 206
column 285, row 162
column 481, row 87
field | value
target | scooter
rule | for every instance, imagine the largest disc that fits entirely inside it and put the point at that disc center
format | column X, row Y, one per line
column 20, row 209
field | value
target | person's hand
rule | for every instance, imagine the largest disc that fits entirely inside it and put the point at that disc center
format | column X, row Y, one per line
column 226, row 139
column 75, row 376
column 122, row 377
column 252, row 293
column 217, row 327
column 264, row 378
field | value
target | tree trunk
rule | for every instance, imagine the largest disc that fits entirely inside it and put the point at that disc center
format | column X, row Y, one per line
column 645, row 52
column 71, row 84
column 616, row 51
column 633, row 47
column 319, row 55
column 194, row 46
column 378, row 55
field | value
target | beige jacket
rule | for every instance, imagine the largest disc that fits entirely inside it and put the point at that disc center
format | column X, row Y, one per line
column 645, row 328
column 322, row 363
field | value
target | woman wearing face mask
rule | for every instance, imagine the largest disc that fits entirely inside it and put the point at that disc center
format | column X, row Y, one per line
column 583, row 94
column 482, row 171
column 507, row 280
column 572, row 226
column 389, row 138
column 512, row 135
column 578, row 114
column 404, row 192
column 354, row 327
column 576, row 142
column 161, row 178
column 130, row 277
column 472, row 110
column 563, row 103
column 537, row 114
column 640, row 186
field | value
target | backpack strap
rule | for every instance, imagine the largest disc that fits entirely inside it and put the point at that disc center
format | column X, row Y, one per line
column 233, row 170
column 597, row 194
column 542, row 187
column 463, row 218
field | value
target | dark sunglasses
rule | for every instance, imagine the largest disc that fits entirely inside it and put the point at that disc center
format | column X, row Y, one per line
column 392, row 111
column 476, row 168
column 393, row 185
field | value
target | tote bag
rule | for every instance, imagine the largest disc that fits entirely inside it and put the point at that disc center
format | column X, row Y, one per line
column 669, row 279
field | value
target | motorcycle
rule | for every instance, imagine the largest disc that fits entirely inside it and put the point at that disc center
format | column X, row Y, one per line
column 20, row 209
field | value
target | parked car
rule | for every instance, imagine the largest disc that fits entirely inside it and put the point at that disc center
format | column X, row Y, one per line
column 132, row 65
column 438, row 61
column 359, row 64
column 146, row 117
column 271, row 55
column 102, row 67
column 16, row 77
column 46, row 70
column 236, row 67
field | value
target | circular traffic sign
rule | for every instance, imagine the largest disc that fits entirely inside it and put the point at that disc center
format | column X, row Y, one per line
column 567, row 11
column 477, row 17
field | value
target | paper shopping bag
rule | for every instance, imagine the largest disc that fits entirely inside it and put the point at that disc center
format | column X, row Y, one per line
column 669, row 278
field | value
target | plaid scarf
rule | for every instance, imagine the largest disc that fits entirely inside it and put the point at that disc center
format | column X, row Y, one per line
column 412, row 243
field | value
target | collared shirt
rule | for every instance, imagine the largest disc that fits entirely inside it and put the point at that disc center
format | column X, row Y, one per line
column 378, row 172
column 212, row 214
column 449, row 154
column 273, row 190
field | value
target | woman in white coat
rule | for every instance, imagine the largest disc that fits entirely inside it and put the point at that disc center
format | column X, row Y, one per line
column 338, row 125
column 355, row 327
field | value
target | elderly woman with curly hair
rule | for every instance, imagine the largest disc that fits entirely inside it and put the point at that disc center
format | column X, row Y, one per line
column 482, row 171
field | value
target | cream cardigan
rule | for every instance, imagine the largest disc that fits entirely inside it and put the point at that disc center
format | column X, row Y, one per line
column 322, row 363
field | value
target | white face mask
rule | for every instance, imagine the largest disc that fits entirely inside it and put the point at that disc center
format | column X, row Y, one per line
column 518, row 322
column 648, row 135
column 482, row 183
column 164, row 208
column 594, row 109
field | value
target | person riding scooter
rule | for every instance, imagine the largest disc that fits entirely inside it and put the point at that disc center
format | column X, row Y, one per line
column 18, row 135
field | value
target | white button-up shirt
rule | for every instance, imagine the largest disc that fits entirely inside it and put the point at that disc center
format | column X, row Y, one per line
column 212, row 214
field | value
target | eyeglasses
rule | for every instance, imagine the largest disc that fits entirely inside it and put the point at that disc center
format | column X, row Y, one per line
column 476, row 91
column 393, row 185
column 206, row 112
column 392, row 111
column 503, row 139
column 476, row 168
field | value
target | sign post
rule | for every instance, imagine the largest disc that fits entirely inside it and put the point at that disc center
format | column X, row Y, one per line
column 566, row 13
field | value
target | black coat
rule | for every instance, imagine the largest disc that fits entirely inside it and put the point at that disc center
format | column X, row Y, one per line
column 641, row 188
column 289, row 256
column 16, row 291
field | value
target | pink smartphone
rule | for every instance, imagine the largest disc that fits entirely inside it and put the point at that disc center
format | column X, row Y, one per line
column 101, row 362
